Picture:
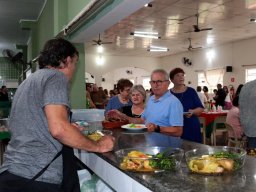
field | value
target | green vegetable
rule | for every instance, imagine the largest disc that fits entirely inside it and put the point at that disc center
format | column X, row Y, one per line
column 132, row 125
column 162, row 161
column 225, row 154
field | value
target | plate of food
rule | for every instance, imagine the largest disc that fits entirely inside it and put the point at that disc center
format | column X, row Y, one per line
column 149, row 159
column 134, row 127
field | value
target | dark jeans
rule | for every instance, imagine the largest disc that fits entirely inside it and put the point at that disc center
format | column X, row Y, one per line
column 251, row 142
column 13, row 183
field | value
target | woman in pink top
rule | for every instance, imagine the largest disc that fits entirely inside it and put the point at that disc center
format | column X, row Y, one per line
column 233, row 119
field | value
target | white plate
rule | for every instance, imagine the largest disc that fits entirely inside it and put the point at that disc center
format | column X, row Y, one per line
column 128, row 127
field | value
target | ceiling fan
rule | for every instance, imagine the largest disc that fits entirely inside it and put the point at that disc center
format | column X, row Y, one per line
column 196, row 27
column 190, row 47
column 15, row 58
column 100, row 42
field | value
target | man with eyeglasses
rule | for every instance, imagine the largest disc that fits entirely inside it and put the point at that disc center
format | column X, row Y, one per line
column 163, row 112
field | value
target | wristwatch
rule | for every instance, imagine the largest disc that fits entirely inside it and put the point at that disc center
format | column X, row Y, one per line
column 157, row 129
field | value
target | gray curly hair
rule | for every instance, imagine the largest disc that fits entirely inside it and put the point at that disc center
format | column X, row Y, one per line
column 140, row 89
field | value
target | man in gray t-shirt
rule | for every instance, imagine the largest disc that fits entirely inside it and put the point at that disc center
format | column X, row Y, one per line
column 247, row 105
column 39, row 124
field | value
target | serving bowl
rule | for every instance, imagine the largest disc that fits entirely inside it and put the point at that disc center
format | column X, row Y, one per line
column 215, row 160
column 149, row 159
column 98, row 134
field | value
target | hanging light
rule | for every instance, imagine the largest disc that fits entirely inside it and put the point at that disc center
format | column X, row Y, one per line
column 100, row 49
column 100, row 60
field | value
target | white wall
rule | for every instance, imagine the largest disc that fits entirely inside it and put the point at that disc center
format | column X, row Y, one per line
column 233, row 54
column 113, row 68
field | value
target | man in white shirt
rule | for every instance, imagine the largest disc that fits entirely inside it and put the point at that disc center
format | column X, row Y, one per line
column 201, row 96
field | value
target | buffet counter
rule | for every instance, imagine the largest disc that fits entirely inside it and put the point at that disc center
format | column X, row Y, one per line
column 106, row 166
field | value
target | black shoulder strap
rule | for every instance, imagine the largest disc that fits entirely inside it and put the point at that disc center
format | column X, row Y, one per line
column 56, row 156
column 43, row 170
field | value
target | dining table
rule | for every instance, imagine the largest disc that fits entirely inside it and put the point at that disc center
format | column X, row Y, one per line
column 107, row 167
column 210, row 116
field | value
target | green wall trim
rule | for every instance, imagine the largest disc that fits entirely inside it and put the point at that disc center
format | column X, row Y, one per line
column 77, row 90
column 75, row 8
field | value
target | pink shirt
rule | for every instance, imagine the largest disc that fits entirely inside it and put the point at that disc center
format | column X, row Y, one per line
column 233, row 119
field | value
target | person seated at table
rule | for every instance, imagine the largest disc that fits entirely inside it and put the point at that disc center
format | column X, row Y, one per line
column 201, row 96
column 191, row 103
column 163, row 112
column 98, row 97
column 206, row 92
column 122, row 99
column 233, row 119
column 4, row 93
column 220, row 96
column 228, row 98
column 89, row 101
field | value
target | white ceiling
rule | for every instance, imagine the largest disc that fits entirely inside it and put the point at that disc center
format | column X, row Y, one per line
column 11, row 13
column 230, row 20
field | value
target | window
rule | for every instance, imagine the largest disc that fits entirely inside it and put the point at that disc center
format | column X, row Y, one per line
column 250, row 74
column 210, row 78
column 146, row 84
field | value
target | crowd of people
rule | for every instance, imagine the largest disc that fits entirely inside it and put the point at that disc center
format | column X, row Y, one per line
column 43, row 131
column 134, row 104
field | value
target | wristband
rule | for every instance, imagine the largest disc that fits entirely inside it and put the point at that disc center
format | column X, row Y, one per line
column 157, row 129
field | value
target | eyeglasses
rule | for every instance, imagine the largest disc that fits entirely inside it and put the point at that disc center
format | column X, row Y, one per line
column 158, row 82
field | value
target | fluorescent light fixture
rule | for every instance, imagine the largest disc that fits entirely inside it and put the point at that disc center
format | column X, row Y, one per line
column 146, row 33
column 152, row 35
column 157, row 49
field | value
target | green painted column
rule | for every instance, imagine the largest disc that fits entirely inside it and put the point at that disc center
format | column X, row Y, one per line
column 77, row 91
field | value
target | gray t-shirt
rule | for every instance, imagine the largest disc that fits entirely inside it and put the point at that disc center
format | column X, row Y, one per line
column 247, row 105
column 32, row 146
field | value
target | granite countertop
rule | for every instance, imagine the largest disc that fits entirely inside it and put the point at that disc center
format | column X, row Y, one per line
column 181, row 180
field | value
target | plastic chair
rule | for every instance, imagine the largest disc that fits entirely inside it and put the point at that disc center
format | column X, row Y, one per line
column 203, row 128
column 217, row 121
column 237, row 142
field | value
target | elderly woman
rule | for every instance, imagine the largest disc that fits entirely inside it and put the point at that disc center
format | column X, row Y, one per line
column 138, row 97
column 122, row 99
column 191, row 104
